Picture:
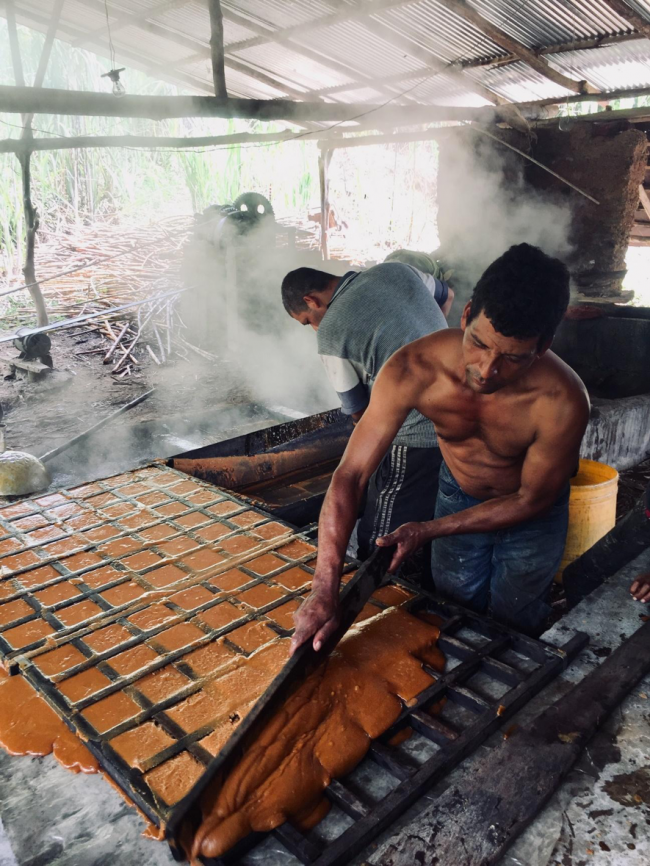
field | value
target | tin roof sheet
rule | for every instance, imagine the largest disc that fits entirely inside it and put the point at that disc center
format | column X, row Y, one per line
column 334, row 45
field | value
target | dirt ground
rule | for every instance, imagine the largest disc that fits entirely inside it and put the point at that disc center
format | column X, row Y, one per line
column 39, row 416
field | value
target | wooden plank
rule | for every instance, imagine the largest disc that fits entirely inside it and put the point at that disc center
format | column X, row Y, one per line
column 28, row 366
column 645, row 200
column 475, row 821
column 391, row 760
column 298, row 845
column 432, row 728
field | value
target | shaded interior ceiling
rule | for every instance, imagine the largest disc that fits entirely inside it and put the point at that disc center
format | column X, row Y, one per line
column 364, row 50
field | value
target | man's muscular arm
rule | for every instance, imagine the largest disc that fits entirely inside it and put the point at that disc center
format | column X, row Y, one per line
column 549, row 462
column 393, row 396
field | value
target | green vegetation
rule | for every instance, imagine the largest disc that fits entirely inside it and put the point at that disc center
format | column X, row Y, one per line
column 76, row 186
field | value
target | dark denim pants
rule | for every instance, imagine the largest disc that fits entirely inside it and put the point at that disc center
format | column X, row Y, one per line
column 507, row 573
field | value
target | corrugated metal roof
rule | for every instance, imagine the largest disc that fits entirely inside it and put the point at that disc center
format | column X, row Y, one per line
column 610, row 67
column 517, row 82
column 547, row 22
column 293, row 66
column 433, row 26
column 334, row 49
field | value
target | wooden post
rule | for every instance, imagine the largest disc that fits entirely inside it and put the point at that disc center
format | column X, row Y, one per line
column 25, row 156
column 31, row 218
column 324, row 159
column 216, row 49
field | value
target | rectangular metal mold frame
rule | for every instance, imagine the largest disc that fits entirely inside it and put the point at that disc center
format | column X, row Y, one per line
column 454, row 743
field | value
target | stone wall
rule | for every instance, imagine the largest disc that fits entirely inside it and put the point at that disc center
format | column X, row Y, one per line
column 603, row 159
column 609, row 164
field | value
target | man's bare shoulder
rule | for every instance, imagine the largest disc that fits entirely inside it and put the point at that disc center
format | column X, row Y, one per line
column 561, row 387
column 433, row 353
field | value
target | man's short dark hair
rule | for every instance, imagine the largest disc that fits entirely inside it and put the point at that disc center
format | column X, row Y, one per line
column 301, row 282
column 524, row 293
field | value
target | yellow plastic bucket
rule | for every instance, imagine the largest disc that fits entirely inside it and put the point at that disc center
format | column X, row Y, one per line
column 592, row 509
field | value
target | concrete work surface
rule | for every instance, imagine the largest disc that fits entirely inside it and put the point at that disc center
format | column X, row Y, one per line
column 600, row 815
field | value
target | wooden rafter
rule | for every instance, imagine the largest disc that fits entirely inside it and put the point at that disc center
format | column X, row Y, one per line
column 587, row 44
column 216, row 48
column 645, row 200
column 14, row 45
column 518, row 49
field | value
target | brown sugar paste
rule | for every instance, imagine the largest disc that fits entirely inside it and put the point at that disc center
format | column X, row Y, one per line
column 322, row 731
column 29, row 726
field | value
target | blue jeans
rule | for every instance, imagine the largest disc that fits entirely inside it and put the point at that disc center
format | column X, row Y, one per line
column 507, row 573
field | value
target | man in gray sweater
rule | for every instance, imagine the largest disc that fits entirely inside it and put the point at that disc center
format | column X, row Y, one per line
column 361, row 320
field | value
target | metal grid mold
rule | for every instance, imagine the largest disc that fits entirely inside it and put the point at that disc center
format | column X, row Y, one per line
column 490, row 673
column 77, row 559
column 130, row 602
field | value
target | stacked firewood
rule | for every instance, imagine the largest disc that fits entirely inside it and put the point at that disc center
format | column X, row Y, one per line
column 155, row 332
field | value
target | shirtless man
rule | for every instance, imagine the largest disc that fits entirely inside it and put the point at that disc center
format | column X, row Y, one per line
column 510, row 416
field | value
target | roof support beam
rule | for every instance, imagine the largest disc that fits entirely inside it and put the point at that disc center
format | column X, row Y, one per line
column 518, row 49
column 91, row 104
column 14, row 45
column 230, row 62
column 587, row 44
column 216, row 48
column 44, row 59
column 148, row 142
column 622, row 8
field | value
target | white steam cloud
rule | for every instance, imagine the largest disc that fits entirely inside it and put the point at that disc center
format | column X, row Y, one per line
column 485, row 206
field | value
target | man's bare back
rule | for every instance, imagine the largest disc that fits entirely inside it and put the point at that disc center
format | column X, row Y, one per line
column 484, row 438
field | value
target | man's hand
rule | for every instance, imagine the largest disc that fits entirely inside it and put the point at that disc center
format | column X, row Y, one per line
column 640, row 589
column 408, row 538
column 318, row 615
